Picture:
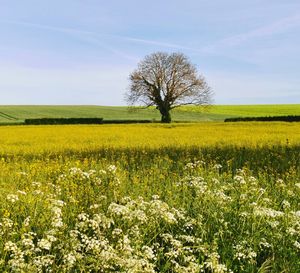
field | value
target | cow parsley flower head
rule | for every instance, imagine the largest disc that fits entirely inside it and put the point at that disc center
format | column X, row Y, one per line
column 112, row 168
column 297, row 245
column 44, row 244
column 70, row 259
column 12, row 198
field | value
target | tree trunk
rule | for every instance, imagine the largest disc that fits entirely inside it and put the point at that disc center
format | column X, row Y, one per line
column 165, row 115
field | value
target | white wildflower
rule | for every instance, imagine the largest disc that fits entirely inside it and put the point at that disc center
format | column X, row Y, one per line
column 215, row 181
column 297, row 213
column 267, row 212
column 103, row 221
column 57, row 203
column 140, row 215
column 83, row 217
column 112, row 168
column 217, row 166
column 51, row 238
column 189, row 166
column 117, row 232
column 10, row 246
column 240, row 179
column 69, row 259
column 252, row 179
column 194, row 165
column 244, row 252
column 213, row 264
column 290, row 193
column 44, row 244
column 7, row 223
column 291, row 231
column 187, row 238
column 273, row 224
column 28, row 243
column 75, row 170
column 57, row 222
column 37, row 192
column 102, row 172
column 43, row 261
column 279, row 181
column 264, row 244
column 244, row 214
column 169, row 218
column 155, row 197
column 286, row 204
column 148, row 252
column 95, row 206
column 12, row 198
column 36, row 184
column 118, row 210
column 297, row 245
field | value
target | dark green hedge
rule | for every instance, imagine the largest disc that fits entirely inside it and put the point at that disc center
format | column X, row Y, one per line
column 57, row 121
column 273, row 118
column 53, row 121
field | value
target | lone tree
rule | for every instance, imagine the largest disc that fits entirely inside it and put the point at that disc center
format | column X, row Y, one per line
column 167, row 81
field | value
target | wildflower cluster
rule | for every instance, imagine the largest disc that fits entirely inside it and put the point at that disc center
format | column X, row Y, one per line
column 84, row 221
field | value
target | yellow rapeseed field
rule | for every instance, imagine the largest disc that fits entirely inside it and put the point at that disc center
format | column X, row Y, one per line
column 55, row 139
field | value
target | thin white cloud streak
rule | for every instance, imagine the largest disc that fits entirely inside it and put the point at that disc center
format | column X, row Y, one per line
column 157, row 43
column 85, row 36
column 93, row 38
column 47, row 27
column 99, row 43
column 274, row 28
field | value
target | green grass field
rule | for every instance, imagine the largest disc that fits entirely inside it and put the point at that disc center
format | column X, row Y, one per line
column 249, row 110
column 17, row 114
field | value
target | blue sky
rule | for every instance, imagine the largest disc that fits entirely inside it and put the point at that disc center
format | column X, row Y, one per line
column 82, row 51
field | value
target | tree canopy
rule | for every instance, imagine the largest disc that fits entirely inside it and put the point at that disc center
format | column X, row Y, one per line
column 167, row 81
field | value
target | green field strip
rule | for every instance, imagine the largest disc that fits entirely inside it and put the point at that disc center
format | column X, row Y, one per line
column 6, row 116
column 15, row 113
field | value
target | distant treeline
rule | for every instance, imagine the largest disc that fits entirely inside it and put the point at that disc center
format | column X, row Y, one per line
column 273, row 118
column 57, row 121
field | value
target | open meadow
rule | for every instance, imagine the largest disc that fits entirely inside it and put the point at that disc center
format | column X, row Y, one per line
column 196, row 197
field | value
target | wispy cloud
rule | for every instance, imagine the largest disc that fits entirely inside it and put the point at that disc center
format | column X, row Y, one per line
column 48, row 27
column 274, row 28
column 157, row 43
column 87, row 36
column 97, row 41
column 97, row 38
